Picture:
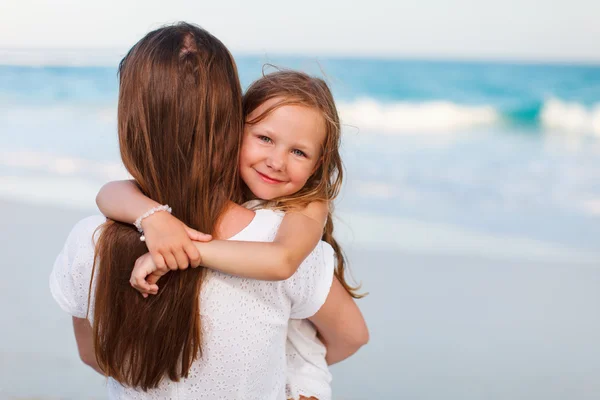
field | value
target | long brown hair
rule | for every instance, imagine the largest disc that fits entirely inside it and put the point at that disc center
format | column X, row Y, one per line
column 180, row 126
column 298, row 88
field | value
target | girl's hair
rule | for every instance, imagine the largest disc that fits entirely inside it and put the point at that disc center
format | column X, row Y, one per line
column 180, row 126
column 298, row 88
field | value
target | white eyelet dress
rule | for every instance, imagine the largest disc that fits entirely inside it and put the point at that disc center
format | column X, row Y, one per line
column 245, row 321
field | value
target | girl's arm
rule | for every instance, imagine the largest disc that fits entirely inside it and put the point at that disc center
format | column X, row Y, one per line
column 299, row 233
column 123, row 201
column 297, row 236
column 169, row 244
column 167, row 238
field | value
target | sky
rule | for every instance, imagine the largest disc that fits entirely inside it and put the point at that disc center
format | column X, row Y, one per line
column 562, row 30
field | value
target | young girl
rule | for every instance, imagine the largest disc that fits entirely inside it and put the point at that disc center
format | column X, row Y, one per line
column 289, row 161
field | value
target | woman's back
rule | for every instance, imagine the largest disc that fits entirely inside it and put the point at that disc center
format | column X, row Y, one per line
column 244, row 321
column 180, row 121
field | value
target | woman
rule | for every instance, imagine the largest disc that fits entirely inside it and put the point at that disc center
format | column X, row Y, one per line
column 207, row 335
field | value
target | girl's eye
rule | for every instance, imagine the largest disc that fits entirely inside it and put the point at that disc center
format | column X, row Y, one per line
column 299, row 153
column 265, row 139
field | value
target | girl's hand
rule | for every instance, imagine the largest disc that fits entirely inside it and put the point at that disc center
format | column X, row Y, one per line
column 144, row 268
column 170, row 242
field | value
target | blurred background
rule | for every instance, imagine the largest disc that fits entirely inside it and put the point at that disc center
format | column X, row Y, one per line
column 471, row 208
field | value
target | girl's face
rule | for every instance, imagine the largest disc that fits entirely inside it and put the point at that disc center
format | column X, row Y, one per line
column 282, row 151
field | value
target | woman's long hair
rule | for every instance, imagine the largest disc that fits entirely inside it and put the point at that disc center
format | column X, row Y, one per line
column 298, row 88
column 180, row 128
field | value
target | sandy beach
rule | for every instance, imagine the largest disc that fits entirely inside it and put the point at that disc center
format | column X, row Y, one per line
column 38, row 355
column 442, row 327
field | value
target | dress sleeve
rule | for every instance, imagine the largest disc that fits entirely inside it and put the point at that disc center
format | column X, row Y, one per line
column 309, row 287
column 72, row 271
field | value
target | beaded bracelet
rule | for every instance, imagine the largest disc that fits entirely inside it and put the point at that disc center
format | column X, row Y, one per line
column 138, row 222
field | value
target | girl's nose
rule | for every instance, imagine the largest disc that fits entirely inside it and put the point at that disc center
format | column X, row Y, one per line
column 275, row 162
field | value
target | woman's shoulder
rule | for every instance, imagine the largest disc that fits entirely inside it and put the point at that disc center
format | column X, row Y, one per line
column 89, row 224
column 309, row 286
column 72, row 270
column 86, row 230
column 80, row 245
column 81, row 242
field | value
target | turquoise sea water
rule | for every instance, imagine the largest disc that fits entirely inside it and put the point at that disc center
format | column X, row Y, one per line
column 494, row 147
column 470, row 212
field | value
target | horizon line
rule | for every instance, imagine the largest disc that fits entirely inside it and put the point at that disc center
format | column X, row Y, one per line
column 115, row 52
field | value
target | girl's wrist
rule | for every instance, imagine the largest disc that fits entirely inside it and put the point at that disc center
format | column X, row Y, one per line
column 150, row 221
column 142, row 222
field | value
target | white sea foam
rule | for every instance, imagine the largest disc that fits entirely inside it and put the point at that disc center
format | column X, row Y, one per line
column 74, row 192
column 379, row 190
column 46, row 178
column 591, row 206
column 573, row 117
column 52, row 164
column 440, row 117
column 378, row 232
column 406, row 117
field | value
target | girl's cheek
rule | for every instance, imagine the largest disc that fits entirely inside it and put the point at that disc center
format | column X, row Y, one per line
column 306, row 173
column 246, row 151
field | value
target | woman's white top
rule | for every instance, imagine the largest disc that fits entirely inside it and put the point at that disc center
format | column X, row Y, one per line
column 307, row 371
column 244, row 321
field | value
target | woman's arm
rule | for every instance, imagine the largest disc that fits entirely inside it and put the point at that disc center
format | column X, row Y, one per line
column 341, row 325
column 85, row 343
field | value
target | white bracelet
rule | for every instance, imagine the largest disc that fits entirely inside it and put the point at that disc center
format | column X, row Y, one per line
column 138, row 222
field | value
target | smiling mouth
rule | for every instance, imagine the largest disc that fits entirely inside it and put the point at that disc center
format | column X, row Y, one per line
column 268, row 179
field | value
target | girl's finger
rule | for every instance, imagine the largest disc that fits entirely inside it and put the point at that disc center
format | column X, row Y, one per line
column 193, row 255
column 182, row 259
column 198, row 236
column 138, row 278
column 159, row 262
column 151, row 281
column 171, row 261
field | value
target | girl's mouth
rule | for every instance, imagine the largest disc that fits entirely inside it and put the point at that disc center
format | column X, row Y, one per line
column 267, row 178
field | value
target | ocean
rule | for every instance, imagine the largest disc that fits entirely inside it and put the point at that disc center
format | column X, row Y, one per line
column 470, row 211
